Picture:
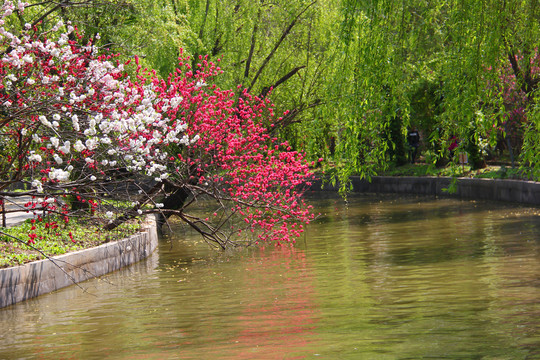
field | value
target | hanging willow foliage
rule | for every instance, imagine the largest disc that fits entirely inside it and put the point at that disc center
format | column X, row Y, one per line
column 461, row 56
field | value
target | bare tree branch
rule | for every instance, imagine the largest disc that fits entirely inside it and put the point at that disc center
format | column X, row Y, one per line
column 252, row 47
column 285, row 33
column 281, row 80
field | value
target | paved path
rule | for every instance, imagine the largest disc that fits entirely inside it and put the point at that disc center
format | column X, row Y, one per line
column 16, row 203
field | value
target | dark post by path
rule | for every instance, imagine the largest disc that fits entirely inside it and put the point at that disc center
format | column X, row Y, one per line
column 3, row 211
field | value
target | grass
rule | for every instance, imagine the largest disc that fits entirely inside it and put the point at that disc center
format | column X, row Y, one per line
column 489, row 172
column 55, row 240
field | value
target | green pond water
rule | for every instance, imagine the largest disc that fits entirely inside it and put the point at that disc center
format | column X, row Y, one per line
column 385, row 277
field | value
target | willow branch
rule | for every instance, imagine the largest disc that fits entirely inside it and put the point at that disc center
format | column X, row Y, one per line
column 277, row 45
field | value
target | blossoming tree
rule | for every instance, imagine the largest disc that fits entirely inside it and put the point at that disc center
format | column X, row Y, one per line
column 78, row 129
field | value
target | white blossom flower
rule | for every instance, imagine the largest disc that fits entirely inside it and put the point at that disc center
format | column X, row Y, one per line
column 58, row 174
column 66, row 148
column 90, row 131
column 91, row 144
column 200, row 84
column 184, row 140
column 55, row 141
column 58, row 159
column 109, row 214
column 37, row 184
column 175, row 101
column 195, row 139
column 44, row 121
column 34, row 157
column 79, row 146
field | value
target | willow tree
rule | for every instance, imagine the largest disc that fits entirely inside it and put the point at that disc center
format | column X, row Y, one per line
column 271, row 48
column 467, row 53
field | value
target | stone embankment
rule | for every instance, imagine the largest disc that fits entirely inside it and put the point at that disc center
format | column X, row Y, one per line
column 525, row 192
column 40, row 277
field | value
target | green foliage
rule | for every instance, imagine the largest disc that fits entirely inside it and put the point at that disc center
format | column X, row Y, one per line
column 473, row 150
column 530, row 154
column 426, row 107
column 452, row 170
column 502, row 173
column 346, row 69
column 456, row 170
column 396, row 141
column 438, row 63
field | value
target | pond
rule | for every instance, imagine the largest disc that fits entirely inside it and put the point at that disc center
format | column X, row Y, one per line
column 385, row 277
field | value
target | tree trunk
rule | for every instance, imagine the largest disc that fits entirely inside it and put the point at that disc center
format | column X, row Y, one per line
column 174, row 201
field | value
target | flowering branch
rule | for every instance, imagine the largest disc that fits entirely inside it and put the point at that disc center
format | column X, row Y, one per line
column 82, row 132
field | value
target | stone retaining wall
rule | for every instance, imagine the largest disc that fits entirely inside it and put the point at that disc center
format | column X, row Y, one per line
column 525, row 192
column 44, row 276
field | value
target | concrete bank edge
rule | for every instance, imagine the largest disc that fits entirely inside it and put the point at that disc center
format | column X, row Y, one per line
column 525, row 192
column 40, row 277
